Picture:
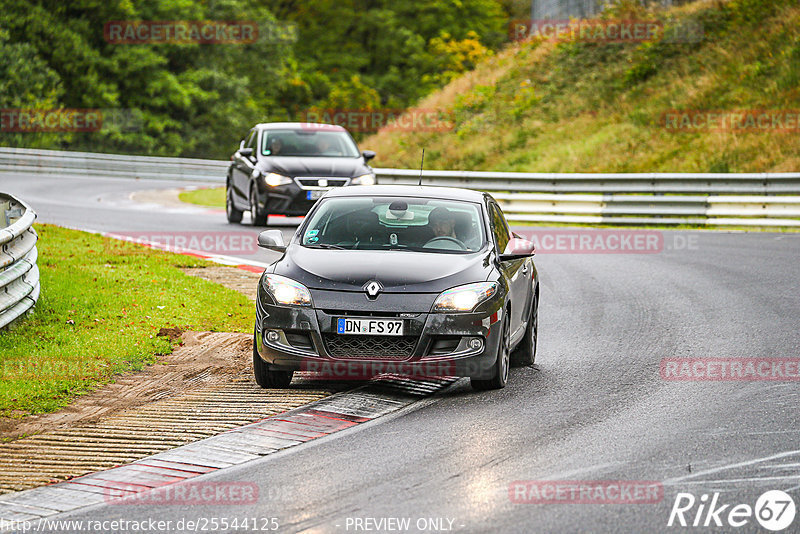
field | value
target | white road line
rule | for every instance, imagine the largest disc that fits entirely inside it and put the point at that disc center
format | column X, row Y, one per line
column 731, row 466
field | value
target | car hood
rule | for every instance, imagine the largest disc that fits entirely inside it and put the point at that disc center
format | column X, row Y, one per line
column 397, row 271
column 312, row 166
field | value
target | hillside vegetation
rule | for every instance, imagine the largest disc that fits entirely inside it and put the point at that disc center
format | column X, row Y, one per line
column 539, row 106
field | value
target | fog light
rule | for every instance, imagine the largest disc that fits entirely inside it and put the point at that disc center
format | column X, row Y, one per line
column 476, row 343
column 273, row 336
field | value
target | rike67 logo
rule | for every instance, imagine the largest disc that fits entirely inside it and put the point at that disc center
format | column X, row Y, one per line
column 774, row 511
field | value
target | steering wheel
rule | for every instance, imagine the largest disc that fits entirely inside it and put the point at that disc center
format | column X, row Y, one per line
column 448, row 239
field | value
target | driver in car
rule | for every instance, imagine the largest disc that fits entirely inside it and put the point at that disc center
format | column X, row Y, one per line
column 442, row 222
column 275, row 146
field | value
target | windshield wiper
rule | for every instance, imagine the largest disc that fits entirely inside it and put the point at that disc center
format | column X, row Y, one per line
column 325, row 245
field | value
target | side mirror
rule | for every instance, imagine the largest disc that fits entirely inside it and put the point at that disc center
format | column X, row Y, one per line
column 518, row 249
column 246, row 152
column 272, row 239
column 368, row 154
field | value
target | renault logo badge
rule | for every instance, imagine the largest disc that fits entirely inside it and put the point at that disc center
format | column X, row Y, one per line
column 373, row 288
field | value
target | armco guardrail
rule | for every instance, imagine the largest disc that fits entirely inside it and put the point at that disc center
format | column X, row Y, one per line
column 755, row 199
column 24, row 160
column 19, row 275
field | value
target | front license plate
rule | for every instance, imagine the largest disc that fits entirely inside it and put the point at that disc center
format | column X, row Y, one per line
column 314, row 195
column 369, row 327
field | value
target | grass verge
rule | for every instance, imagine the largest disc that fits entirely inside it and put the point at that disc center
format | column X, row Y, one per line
column 212, row 197
column 102, row 306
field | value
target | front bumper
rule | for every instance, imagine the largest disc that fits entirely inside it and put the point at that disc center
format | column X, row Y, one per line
column 435, row 344
column 292, row 199
column 285, row 200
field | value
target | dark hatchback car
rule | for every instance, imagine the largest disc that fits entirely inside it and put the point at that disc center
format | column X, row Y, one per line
column 283, row 168
column 422, row 281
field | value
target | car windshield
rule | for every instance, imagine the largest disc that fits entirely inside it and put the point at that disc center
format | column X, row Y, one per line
column 396, row 223
column 308, row 143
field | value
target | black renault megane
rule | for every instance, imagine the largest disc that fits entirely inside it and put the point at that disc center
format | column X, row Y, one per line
column 421, row 281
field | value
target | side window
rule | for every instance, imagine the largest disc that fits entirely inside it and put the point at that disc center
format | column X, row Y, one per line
column 502, row 235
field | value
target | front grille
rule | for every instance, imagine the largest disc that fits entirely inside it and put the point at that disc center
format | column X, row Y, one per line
column 313, row 181
column 370, row 347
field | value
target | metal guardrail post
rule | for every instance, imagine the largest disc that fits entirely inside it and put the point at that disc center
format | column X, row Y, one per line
column 19, row 274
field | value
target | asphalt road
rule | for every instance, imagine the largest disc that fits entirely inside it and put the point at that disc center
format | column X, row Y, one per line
column 595, row 407
column 106, row 205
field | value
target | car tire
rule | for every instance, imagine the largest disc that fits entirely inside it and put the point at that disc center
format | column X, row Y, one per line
column 266, row 377
column 501, row 365
column 525, row 353
column 257, row 217
column 234, row 215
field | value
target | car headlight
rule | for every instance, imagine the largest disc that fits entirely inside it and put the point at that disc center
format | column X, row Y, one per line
column 274, row 179
column 285, row 290
column 364, row 179
column 464, row 298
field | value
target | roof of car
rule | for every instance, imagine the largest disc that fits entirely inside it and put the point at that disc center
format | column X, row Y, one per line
column 447, row 193
column 299, row 126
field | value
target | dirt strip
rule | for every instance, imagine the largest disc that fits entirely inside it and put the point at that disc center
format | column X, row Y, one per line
column 245, row 282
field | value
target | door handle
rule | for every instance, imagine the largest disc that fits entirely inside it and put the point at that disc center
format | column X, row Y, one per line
column 525, row 269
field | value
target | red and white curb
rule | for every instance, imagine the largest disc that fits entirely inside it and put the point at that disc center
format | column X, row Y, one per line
column 322, row 418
